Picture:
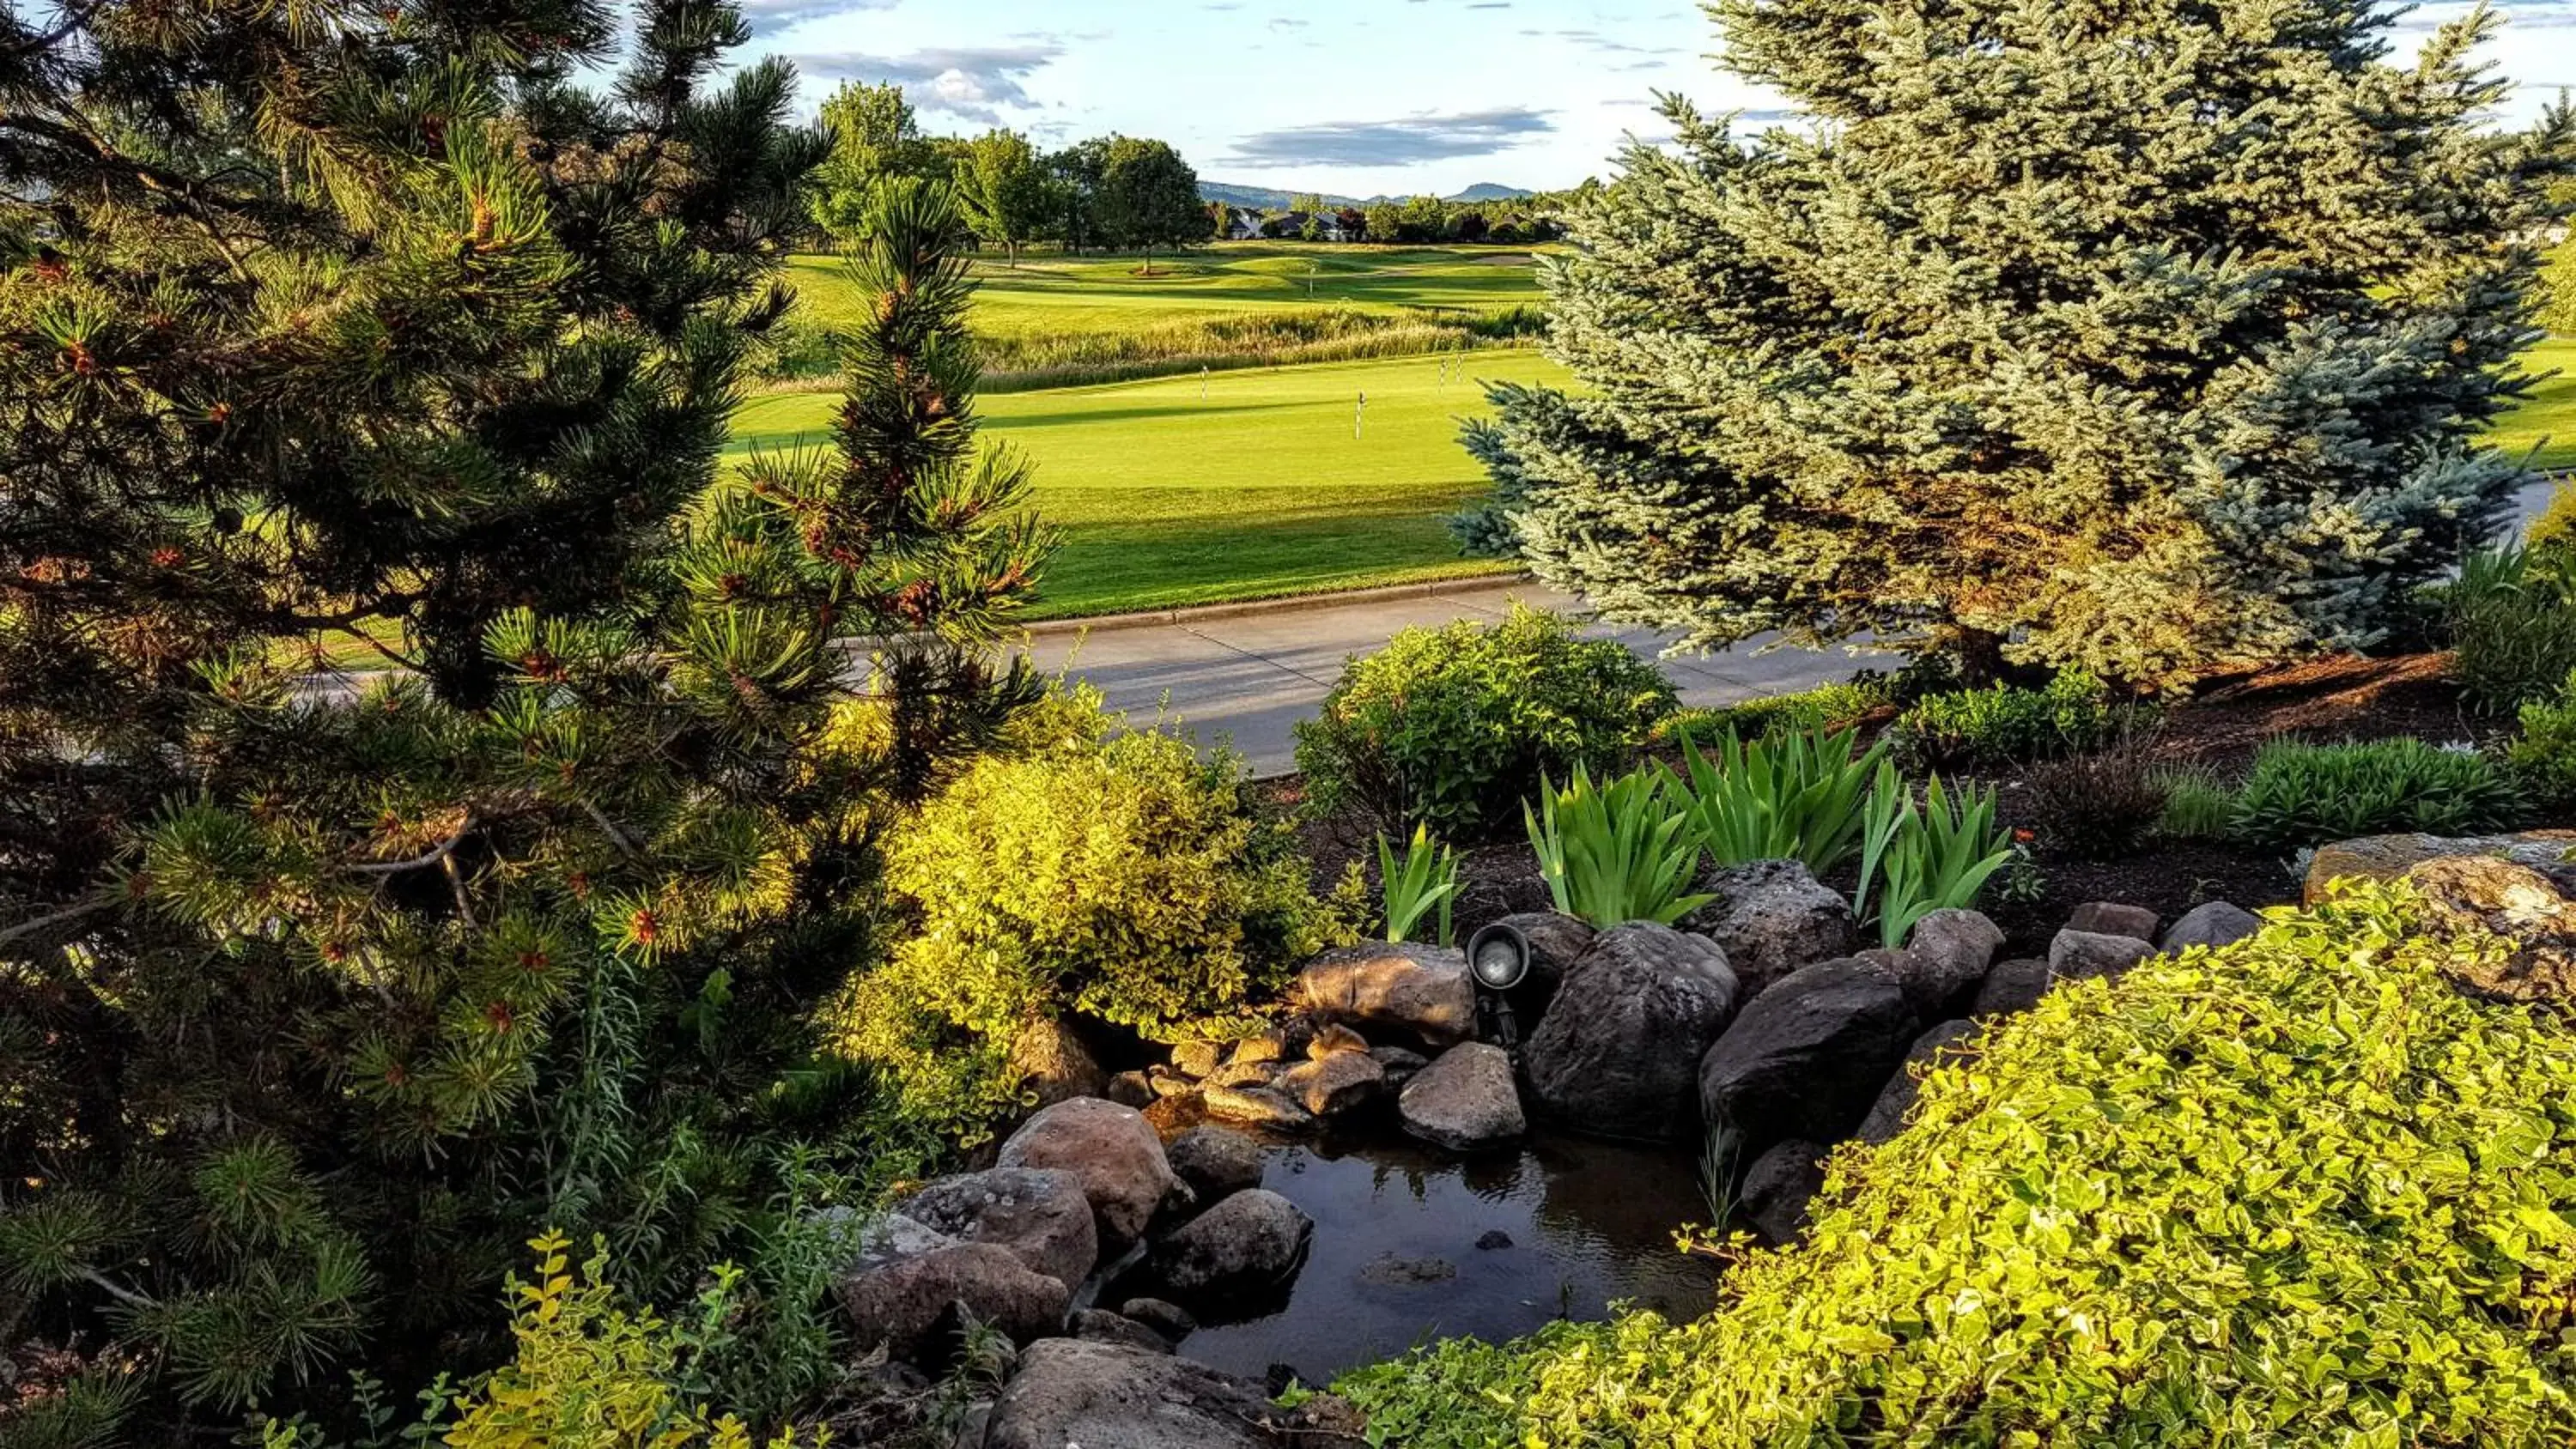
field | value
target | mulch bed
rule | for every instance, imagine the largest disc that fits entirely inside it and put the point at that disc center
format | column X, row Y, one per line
column 2222, row 728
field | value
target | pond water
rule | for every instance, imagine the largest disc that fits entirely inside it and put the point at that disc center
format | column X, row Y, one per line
column 1395, row 1259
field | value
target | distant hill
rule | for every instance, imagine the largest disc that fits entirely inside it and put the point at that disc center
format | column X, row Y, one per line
column 1270, row 198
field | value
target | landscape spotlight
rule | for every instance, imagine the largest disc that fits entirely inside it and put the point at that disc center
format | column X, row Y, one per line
column 1499, row 955
column 1498, row 958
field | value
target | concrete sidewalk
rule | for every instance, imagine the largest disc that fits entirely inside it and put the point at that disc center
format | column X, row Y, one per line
column 1247, row 677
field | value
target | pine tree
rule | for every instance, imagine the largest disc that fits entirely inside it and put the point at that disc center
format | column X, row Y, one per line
column 320, row 992
column 2138, row 337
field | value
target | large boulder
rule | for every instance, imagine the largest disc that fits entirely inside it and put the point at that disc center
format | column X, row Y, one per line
column 1778, row 1187
column 1465, row 1101
column 1099, row 1325
column 1112, row 1150
column 1335, row 1085
column 1420, row 992
column 1617, row 1053
column 1770, row 918
column 1038, row 1213
column 1809, row 1058
column 1216, row 1161
column 914, row 1306
column 1068, row 1392
column 2386, row 857
column 2529, row 908
column 1248, row 1244
column 2213, row 924
column 1946, row 959
column 1887, row 1115
column 2082, row 955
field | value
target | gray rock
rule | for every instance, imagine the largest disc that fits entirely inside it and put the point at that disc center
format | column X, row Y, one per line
column 1108, row 1396
column 1778, row 1188
column 1617, row 1053
column 1887, row 1115
column 1198, row 1058
column 1170, row 1320
column 1111, row 1149
column 2478, row 896
column 1054, row 1065
column 1247, row 1074
column 1335, row 1085
column 1099, row 1325
column 1946, row 960
column 1216, row 1161
column 1493, row 1240
column 1398, row 1064
column 1772, row 917
column 1465, row 1101
column 1166, row 1083
column 2386, row 857
column 1333, row 1039
column 1257, row 1107
column 1134, row 1089
column 1262, row 1048
column 2212, row 924
column 1252, row 1241
column 909, row 1306
column 1040, row 1214
column 1393, row 1270
column 2083, row 955
column 1419, row 992
column 1808, row 1059
column 2112, row 918
column 2012, row 986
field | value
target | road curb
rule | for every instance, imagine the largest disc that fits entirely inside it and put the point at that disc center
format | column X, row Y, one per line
column 1293, row 604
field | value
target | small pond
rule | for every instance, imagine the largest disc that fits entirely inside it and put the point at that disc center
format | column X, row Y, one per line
column 1589, row 1222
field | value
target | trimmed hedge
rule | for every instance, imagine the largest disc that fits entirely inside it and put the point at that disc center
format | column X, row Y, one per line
column 2297, row 1192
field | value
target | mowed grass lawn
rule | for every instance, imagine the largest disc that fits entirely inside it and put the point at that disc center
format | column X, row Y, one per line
column 1254, row 489
column 2546, row 419
column 1056, row 296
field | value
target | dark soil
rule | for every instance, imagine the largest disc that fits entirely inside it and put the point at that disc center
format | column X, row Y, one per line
column 2221, row 728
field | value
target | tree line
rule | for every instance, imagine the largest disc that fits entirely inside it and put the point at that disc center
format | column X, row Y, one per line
column 1119, row 193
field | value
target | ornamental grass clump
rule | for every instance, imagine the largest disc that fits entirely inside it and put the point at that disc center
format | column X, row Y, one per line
column 1793, row 796
column 2296, row 1192
column 2303, row 795
column 1624, row 851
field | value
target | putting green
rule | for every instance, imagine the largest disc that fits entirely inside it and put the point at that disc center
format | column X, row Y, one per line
column 1240, row 485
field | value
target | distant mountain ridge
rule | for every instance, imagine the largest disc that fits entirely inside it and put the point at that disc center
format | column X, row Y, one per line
column 1269, row 198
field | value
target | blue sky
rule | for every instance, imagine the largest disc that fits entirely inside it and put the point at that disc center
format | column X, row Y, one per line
column 1355, row 96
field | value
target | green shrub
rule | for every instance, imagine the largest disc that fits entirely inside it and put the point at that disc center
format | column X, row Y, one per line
column 1121, row 880
column 1624, row 851
column 2005, row 725
column 2555, row 528
column 2512, row 620
column 2299, row 1192
column 1794, row 796
column 2543, row 756
column 2302, row 795
column 1451, row 727
column 2198, row 805
column 1826, row 707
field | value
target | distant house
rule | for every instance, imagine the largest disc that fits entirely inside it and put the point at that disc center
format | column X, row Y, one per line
column 1293, row 225
column 1241, row 224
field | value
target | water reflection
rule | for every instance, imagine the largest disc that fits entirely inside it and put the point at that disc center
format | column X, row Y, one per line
column 1589, row 1223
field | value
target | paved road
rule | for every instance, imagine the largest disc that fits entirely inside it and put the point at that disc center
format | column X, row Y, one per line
column 1247, row 678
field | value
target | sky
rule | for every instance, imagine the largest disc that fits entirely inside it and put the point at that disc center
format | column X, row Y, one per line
column 1361, row 97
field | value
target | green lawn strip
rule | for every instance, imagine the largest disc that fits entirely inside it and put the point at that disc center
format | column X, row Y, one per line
column 1242, row 485
column 1073, row 296
column 2546, row 419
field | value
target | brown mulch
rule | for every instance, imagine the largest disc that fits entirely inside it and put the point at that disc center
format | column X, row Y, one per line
column 2222, row 728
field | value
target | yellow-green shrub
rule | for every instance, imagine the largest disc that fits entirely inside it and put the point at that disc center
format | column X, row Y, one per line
column 591, row 1373
column 2296, row 1192
column 1122, row 880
